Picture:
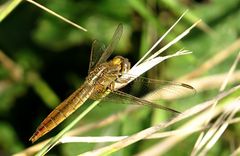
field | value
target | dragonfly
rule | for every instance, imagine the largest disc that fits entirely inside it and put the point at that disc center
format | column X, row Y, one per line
column 102, row 75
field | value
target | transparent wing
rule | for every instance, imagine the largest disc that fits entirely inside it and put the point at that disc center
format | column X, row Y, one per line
column 99, row 53
column 112, row 45
column 161, row 89
column 166, row 90
column 169, row 87
column 118, row 97
column 96, row 53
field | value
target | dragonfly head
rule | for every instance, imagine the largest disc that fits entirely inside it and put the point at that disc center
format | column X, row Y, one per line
column 122, row 62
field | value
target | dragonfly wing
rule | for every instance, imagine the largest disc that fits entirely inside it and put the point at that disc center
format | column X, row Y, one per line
column 112, row 45
column 96, row 53
column 119, row 97
column 99, row 53
column 161, row 88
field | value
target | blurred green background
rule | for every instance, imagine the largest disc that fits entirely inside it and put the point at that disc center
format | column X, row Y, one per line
column 48, row 59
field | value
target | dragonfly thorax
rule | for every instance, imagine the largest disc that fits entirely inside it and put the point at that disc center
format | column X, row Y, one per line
column 104, row 75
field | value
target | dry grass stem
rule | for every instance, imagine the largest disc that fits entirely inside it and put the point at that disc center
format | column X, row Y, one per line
column 149, row 131
column 90, row 139
column 202, row 140
column 224, row 119
column 194, row 123
column 33, row 149
column 175, row 40
column 15, row 71
column 230, row 73
column 160, row 39
column 57, row 15
column 213, row 61
column 105, row 139
column 236, row 152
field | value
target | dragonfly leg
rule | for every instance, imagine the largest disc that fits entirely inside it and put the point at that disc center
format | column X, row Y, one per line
column 121, row 80
column 112, row 86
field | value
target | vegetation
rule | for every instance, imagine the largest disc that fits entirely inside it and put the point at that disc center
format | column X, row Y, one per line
column 43, row 59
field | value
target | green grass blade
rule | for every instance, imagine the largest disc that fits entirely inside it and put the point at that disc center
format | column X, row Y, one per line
column 43, row 90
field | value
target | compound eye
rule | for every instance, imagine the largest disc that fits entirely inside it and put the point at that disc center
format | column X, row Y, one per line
column 118, row 60
column 125, row 66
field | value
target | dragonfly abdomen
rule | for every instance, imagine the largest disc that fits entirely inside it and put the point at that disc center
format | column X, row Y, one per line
column 62, row 111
